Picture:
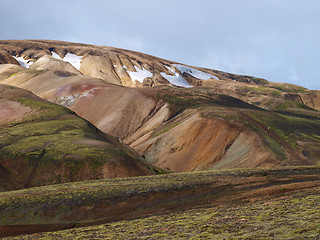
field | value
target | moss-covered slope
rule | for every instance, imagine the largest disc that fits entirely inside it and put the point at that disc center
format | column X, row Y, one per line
column 47, row 143
column 79, row 204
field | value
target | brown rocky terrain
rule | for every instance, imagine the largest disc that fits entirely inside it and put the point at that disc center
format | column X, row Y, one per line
column 6, row 57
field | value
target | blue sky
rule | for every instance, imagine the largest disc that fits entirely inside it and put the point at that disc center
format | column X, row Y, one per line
column 276, row 40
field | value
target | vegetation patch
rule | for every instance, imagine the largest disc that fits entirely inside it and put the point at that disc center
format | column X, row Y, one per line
column 197, row 98
column 165, row 129
column 29, row 71
column 286, row 105
column 287, row 126
column 258, row 90
column 287, row 87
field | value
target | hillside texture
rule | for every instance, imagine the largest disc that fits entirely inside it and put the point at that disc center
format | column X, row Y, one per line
column 224, row 121
column 44, row 143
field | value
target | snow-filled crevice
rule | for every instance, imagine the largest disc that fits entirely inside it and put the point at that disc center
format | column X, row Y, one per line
column 140, row 74
column 176, row 78
column 23, row 62
column 71, row 58
column 195, row 73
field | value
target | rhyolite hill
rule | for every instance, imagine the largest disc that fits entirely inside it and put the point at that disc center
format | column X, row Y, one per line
column 44, row 143
column 177, row 117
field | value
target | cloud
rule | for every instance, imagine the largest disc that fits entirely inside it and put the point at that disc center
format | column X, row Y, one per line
column 277, row 40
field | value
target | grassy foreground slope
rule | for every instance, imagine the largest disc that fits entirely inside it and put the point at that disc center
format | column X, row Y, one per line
column 81, row 204
column 289, row 217
column 44, row 143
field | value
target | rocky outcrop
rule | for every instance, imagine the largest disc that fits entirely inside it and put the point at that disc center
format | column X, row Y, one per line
column 49, row 63
column 311, row 99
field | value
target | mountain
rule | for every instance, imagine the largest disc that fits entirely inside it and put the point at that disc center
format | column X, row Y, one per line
column 73, row 112
column 44, row 143
column 177, row 117
column 134, row 69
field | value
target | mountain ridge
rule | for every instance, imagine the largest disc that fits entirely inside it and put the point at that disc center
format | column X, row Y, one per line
column 217, row 120
column 100, row 61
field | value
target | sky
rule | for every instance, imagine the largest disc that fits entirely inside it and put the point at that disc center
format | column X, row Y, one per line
column 274, row 39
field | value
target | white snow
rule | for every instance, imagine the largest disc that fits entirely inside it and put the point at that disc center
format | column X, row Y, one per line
column 125, row 67
column 55, row 55
column 115, row 66
column 23, row 62
column 177, row 79
column 195, row 73
column 71, row 58
column 139, row 75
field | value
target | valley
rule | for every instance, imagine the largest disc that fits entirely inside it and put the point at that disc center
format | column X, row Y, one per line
column 98, row 138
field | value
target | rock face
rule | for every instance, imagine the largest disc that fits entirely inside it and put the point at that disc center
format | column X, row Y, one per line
column 311, row 99
column 177, row 117
column 5, row 57
column 44, row 143
column 50, row 63
column 205, row 143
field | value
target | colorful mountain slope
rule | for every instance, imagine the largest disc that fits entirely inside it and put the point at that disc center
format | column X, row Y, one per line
column 224, row 121
column 44, row 143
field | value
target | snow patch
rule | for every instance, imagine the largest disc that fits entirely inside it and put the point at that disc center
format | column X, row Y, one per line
column 195, row 73
column 71, row 58
column 125, row 67
column 177, row 79
column 23, row 62
column 139, row 75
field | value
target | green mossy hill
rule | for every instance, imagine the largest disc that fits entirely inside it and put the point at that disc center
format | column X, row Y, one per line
column 290, row 131
column 286, row 133
column 53, row 145
column 300, row 130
